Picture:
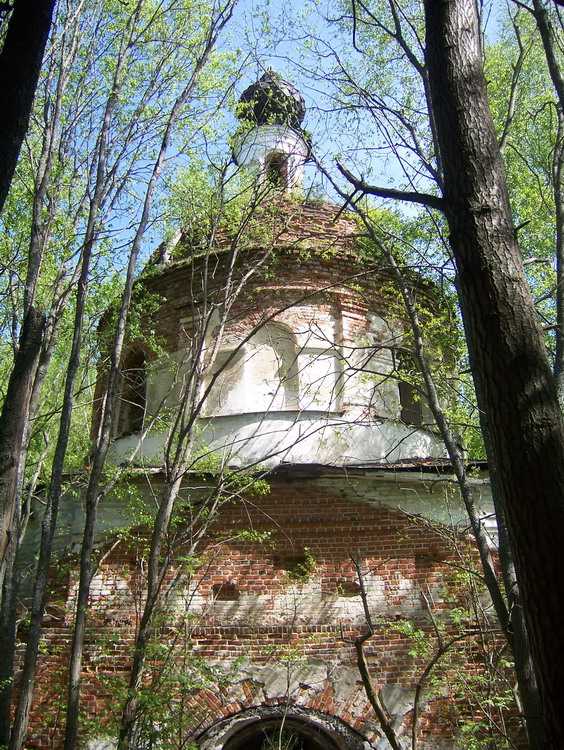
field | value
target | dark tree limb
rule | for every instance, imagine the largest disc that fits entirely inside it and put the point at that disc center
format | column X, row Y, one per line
column 517, row 68
column 550, row 43
column 20, row 64
column 425, row 199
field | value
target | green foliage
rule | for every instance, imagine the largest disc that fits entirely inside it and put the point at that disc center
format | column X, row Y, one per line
column 80, row 65
column 281, row 739
column 223, row 210
column 418, row 252
column 174, row 674
column 303, row 569
column 421, row 641
column 528, row 152
column 252, row 536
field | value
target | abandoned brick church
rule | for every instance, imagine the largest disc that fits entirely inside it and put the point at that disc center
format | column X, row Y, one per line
column 340, row 514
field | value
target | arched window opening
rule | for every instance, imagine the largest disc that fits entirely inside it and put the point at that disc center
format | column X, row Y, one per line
column 277, row 169
column 133, row 394
column 410, row 402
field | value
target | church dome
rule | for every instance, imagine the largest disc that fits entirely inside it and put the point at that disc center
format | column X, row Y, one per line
column 271, row 100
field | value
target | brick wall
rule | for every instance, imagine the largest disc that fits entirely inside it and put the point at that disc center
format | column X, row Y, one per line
column 277, row 625
column 274, row 621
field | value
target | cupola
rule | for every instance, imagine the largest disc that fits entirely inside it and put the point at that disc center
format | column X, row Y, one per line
column 271, row 100
column 272, row 142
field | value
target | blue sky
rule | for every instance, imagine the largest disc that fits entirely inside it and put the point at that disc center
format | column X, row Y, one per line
column 297, row 39
column 280, row 34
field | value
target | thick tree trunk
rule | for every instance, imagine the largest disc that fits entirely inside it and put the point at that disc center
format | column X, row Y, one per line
column 8, row 639
column 13, row 430
column 20, row 64
column 512, row 375
column 524, row 667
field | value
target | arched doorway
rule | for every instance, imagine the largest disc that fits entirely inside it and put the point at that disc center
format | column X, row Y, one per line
column 280, row 734
column 281, row 728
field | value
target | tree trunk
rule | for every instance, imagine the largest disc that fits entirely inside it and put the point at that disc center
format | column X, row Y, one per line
column 13, row 420
column 8, row 639
column 20, row 65
column 514, row 384
column 13, row 430
column 524, row 667
column 49, row 523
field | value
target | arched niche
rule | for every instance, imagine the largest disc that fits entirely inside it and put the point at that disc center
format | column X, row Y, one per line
column 132, row 400
column 260, row 375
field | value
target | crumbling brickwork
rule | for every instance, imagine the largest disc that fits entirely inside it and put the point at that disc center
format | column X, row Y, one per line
column 260, row 622
column 277, row 618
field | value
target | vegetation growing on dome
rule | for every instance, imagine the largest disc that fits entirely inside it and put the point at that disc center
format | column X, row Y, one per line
column 272, row 100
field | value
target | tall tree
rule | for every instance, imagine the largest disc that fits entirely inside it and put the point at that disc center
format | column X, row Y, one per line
column 20, row 64
column 516, row 392
column 394, row 101
column 102, row 110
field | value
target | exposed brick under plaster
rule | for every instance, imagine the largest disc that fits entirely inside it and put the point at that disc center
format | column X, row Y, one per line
column 291, row 629
column 295, row 641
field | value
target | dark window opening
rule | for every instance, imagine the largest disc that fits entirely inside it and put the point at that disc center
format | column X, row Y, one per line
column 133, row 394
column 225, row 592
column 276, row 734
column 296, row 567
column 277, row 170
column 410, row 402
column 348, row 588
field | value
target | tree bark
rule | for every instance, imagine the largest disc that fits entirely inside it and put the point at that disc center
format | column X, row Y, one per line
column 20, row 65
column 521, row 647
column 514, row 384
column 13, row 420
column 8, row 627
column 13, row 430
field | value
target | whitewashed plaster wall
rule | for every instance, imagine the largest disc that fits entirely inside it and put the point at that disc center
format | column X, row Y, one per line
column 254, row 148
column 310, row 387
